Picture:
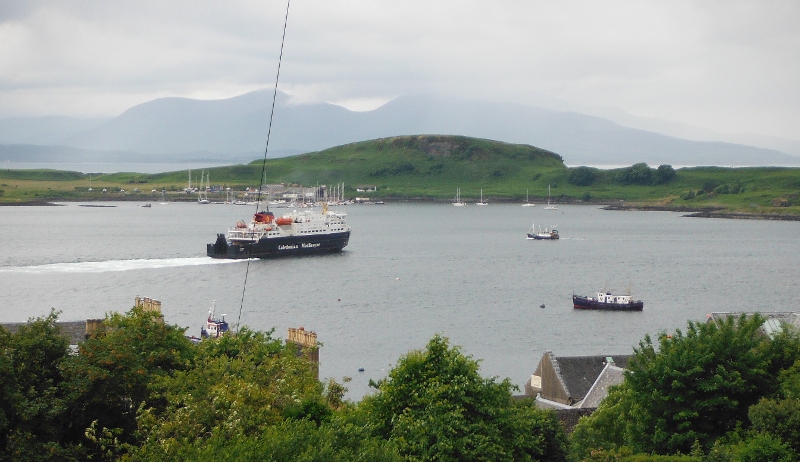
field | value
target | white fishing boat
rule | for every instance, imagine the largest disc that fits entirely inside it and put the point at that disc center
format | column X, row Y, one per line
column 215, row 327
column 540, row 235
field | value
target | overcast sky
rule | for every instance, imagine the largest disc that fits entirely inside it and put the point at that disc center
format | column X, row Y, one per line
column 730, row 66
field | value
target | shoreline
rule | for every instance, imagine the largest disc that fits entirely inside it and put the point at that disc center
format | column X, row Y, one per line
column 705, row 212
column 691, row 212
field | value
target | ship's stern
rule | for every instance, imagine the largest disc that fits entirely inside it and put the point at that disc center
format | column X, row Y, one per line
column 218, row 249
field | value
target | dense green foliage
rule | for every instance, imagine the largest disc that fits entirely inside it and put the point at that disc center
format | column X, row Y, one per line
column 138, row 389
column 435, row 406
column 701, row 390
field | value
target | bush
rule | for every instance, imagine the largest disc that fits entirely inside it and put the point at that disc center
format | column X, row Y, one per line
column 434, row 405
column 639, row 174
column 664, row 174
column 582, row 176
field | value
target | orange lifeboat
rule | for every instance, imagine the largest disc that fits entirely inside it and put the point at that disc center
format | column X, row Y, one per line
column 284, row 221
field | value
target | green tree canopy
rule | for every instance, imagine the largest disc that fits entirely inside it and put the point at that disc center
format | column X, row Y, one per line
column 692, row 387
column 635, row 174
column 34, row 400
column 582, row 176
column 434, row 405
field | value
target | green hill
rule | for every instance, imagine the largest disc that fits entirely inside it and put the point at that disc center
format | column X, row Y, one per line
column 431, row 167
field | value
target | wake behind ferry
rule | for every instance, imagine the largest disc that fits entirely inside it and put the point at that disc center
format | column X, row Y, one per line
column 295, row 233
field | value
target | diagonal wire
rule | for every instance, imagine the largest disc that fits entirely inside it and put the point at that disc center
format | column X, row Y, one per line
column 264, row 162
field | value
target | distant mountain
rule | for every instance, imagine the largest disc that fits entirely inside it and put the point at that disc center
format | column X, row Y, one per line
column 43, row 130
column 235, row 129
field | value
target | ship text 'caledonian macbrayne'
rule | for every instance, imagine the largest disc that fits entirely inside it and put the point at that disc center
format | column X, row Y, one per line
column 296, row 233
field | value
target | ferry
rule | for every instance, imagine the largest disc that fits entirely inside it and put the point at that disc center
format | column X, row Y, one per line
column 296, row 233
column 607, row 301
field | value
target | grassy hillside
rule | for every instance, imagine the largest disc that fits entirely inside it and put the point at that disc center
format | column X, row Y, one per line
column 431, row 167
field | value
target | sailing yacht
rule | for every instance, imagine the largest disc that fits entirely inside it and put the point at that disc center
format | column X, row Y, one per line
column 202, row 197
column 458, row 202
column 481, row 202
column 527, row 204
column 549, row 206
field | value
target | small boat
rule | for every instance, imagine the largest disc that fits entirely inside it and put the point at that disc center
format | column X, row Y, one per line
column 547, row 234
column 481, row 202
column 605, row 300
column 215, row 327
column 147, row 206
column 527, row 204
column 458, row 202
column 549, row 206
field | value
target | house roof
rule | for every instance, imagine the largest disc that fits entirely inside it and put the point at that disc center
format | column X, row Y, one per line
column 774, row 320
column 611, row 375
column 579, row 373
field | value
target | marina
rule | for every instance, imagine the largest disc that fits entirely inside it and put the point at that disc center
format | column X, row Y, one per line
column 409, row 272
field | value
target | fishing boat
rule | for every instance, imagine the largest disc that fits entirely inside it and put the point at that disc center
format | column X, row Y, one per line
column 296, row 233
column 458, row 202
column 605, row 300
column 540, row 235
column 549, row 206
column 481, row 202
column 215, row 327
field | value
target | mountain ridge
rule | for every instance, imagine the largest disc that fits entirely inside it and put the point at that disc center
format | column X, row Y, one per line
column 176, row 129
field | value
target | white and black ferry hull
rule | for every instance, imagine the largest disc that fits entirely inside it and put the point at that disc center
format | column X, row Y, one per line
column 279, row 246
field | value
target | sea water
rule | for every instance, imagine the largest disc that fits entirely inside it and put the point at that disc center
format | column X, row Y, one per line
column 411, row 271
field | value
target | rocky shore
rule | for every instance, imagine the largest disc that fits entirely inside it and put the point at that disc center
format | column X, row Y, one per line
column 705, row 212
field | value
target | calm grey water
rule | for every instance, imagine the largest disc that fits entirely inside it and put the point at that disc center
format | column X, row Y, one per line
column 410, row 271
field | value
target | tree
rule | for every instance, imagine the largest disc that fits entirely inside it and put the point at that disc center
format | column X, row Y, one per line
column 434, row 405
column 780, row 415
column 639, row 174
column 34, row 404
column 236, row 387
column 664, row 174
column 691, row 388
column 582, row 176
column 607, row 428
column 697, row 386
column 111, row 376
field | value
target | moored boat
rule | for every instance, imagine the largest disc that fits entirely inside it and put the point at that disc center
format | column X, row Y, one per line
column 296, row 233
column 605, row 300
column 458, row 202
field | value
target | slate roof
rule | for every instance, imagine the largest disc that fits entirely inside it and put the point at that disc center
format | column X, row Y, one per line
column 610, row 376
column 579, row 373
